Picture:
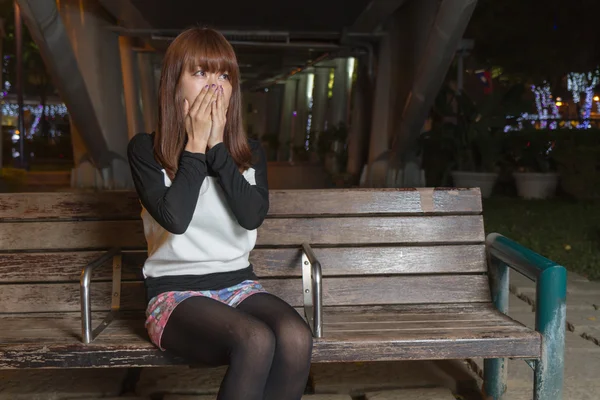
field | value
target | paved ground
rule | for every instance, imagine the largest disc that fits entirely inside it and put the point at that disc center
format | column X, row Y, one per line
column 582, row 359
column 361, row 381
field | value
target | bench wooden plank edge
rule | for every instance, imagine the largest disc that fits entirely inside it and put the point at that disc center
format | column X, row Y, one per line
column 16, row 267
column 125, row 204
column 324, row 351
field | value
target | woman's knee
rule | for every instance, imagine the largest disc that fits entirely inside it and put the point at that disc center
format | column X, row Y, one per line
column 257, row 340
column 294, row 335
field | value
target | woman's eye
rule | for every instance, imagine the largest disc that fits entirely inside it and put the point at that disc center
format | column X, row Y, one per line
column 224, row 77
column 200, row 73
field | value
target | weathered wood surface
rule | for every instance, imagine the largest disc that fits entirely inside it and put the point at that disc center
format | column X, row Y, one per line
column 268, row 263
column 277, row 231
column 119, row 205
column 65, row 266
column 75, row 235
column 414, row 333
column 417, row 289
column 29, row 327
column 405, row 276
column 64, row 205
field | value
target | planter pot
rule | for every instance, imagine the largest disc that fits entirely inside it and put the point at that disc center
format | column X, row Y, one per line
column 485, row 181
column 535, row 185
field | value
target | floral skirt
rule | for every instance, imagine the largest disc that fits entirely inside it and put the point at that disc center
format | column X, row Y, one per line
column 160, row 307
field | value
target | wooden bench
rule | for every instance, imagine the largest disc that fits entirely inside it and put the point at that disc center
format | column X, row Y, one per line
column 406, row 275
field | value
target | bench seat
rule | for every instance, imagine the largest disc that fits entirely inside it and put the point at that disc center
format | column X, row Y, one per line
column 407, row 332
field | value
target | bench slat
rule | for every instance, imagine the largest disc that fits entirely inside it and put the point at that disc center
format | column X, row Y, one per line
column 54, row 297
column 65, row 205
column 337, row 349
column 54, row 331
column 118, row 205
column 125, row 343
column 66, row 266
column 273, row 232
column 457, row 313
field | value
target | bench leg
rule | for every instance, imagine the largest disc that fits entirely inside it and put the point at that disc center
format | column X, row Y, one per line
column 550, row 321
column 495, row 370
column 494, row 377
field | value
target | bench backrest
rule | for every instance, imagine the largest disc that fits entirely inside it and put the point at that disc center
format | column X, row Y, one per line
column 376, row 246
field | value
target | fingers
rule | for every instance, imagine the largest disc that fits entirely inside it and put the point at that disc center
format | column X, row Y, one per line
column 221, row 102
column 198, row 100
column 219, row 111
column 186, row 107
column 208, row 99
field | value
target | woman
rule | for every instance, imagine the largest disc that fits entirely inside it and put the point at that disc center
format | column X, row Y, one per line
column 203, row 188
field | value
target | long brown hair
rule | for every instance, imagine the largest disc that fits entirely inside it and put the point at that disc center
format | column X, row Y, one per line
column 209, row 50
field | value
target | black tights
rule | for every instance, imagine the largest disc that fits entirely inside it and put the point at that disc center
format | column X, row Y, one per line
column 265, row 342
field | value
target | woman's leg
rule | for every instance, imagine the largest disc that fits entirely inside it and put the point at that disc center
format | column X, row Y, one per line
column 212, row 333
column 293, row 348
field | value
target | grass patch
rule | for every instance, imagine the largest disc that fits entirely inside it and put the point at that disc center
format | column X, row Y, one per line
column 567, row 232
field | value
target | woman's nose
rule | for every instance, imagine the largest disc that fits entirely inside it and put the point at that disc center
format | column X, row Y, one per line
column 212, row 79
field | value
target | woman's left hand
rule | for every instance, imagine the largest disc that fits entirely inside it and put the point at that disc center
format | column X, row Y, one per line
column 218, row 115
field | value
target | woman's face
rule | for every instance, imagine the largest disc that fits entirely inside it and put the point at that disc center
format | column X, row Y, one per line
column 192, row 82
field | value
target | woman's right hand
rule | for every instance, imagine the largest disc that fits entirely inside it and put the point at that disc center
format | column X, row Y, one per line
column 198, row 120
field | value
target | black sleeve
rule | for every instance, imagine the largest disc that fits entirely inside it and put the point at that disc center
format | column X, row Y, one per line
column 249, row 203
column 172, row 207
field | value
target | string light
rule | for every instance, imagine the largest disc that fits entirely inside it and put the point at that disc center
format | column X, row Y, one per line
column 578, row 83
column 547, row 109
column 52, row 111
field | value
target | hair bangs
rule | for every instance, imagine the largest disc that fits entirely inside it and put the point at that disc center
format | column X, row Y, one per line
column 210, row 52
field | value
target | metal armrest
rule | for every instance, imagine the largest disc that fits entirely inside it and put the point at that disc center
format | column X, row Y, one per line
column 86, row 278
column 313, row 290
column 550, row 306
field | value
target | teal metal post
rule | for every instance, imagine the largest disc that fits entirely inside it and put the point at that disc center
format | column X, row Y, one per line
column 494, row 369
column 550, row 316
column 550, row 321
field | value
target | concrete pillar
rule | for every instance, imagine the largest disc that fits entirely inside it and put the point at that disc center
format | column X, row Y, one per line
column 319, row 95
column 381, row 121
column 149, row 90
column 341, row 92
column 97, row 49
column 79, row 150
column 273, row 111
column 400, row 53
column 287, row 118
column 360, row 117
column 301, row 108
column 82, row 56
column 130, row 86
column 411, row 31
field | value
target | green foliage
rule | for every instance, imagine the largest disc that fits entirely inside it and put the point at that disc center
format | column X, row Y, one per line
column 531, row 150
column 332, row 142
column 566, row 232
column 470, row 135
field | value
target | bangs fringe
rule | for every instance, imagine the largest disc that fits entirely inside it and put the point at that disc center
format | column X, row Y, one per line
column 211, row 53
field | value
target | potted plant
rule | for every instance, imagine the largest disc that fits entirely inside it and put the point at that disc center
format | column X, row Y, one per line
column 331, row 148
column 474, row 136
column 534, row 167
